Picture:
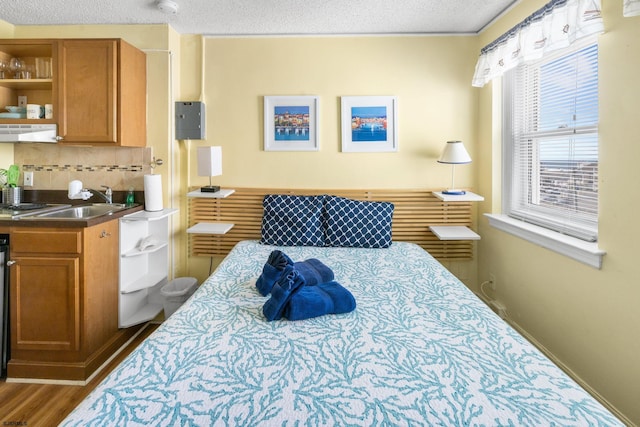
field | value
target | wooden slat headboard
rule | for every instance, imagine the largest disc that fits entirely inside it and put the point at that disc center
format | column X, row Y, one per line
column 415, row 211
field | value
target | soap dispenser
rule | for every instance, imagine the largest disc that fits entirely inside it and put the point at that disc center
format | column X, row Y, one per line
column 131, row 198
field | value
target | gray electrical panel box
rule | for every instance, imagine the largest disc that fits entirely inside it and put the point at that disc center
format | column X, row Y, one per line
column 190, row 120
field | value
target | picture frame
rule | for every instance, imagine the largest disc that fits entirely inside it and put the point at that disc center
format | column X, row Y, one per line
column 291, row 123
column 369, row 123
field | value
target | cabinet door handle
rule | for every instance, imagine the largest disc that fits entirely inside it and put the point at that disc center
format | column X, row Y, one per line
column 104, row 234
column 10, row 263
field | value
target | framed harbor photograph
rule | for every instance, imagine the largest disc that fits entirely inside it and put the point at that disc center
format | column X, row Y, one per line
column 291, row 123
column 369, row 123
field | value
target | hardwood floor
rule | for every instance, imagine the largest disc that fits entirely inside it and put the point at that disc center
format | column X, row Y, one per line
column 46, row 405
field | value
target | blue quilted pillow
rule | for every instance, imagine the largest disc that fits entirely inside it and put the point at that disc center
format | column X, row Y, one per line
column 357, row 224
column 292, row 220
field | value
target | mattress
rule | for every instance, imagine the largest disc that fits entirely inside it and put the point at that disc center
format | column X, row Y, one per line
column 419, row 349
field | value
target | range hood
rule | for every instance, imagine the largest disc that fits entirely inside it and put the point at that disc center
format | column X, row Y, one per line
column 29, row 133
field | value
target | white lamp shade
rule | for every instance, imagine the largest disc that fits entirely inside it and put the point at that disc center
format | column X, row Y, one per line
column 454, row 153
column 209, row 161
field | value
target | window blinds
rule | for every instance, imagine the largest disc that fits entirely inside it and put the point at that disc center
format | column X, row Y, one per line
column 554, row 142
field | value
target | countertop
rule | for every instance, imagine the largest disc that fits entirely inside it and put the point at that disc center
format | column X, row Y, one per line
column 5, row 223
column 60, row 196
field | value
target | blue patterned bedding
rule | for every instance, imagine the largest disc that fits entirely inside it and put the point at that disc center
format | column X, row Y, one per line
column 420, row 349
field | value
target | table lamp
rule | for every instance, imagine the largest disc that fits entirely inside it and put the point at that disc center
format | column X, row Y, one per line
column 454, row 154
column 209, row 164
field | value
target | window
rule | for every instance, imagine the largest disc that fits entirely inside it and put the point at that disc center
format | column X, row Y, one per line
column 551, row 141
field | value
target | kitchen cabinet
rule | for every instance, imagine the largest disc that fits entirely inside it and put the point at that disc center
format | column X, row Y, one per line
column 36, row 90
column 64, row 301
column 97, row 88
column 144, row 260
column 102, row 93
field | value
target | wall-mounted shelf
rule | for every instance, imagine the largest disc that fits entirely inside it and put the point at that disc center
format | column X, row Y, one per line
column 454, row 232
column 210, row 228
column 205, row 227
column 467, row 197
column 223, row 193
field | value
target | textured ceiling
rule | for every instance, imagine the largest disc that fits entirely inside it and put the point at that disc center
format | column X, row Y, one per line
column 268, row 17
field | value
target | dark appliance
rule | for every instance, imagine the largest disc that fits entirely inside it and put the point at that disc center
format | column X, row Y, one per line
column 4, row 304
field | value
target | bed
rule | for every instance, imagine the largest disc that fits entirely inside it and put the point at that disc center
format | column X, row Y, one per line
column 419, row 349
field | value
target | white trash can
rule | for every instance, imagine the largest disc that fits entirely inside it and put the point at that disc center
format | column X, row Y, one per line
column 176, row 292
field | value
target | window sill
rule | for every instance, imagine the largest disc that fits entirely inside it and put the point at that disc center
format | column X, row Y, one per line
column 585, row 252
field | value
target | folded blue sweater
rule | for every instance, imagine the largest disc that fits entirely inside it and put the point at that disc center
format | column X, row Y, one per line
column 312, row 270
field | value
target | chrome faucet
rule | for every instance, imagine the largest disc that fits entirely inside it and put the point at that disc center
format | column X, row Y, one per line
column 107, row 195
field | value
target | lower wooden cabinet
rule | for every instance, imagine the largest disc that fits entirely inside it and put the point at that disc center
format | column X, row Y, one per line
column 64, row 301
column 47, row 303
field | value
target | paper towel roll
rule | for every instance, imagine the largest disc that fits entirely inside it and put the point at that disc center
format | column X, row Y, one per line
column 153, row 193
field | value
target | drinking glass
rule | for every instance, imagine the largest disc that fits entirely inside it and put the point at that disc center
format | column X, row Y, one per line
column 3, row 67
column 16, row 65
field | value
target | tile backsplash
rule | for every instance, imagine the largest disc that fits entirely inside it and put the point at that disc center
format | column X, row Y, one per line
column 54, row 166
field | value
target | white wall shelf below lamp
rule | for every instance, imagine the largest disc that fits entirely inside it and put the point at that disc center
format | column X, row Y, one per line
column 210, row 228
column 210, row 164
column 454, row 154
column 453, row 232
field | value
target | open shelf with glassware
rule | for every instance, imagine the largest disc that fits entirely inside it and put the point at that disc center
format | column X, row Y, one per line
column 26, row 77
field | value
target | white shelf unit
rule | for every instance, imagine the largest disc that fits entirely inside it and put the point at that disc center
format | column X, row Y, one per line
column 211, row 227
column 456, row 232
column 143, row 272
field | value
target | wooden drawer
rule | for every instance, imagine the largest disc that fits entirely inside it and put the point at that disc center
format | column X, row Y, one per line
column 57, row 241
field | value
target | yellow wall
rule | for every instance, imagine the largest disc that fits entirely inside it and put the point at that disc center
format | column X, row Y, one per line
column 589, row 319
column 429, row 75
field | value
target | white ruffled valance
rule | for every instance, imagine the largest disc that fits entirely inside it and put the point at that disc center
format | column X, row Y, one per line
column 558, row 24
column 631, row 8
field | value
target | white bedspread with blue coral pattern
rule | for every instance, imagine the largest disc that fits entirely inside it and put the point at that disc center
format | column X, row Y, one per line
column 420, row 349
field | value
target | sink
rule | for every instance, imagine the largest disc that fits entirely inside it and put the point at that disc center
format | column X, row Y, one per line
column 83, row 212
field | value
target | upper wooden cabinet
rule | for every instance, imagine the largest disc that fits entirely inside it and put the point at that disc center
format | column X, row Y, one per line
column 97, row 88
column 102, row 93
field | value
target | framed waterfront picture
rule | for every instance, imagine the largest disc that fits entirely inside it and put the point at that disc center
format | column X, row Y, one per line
column 291, row 123
column 369, row 123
